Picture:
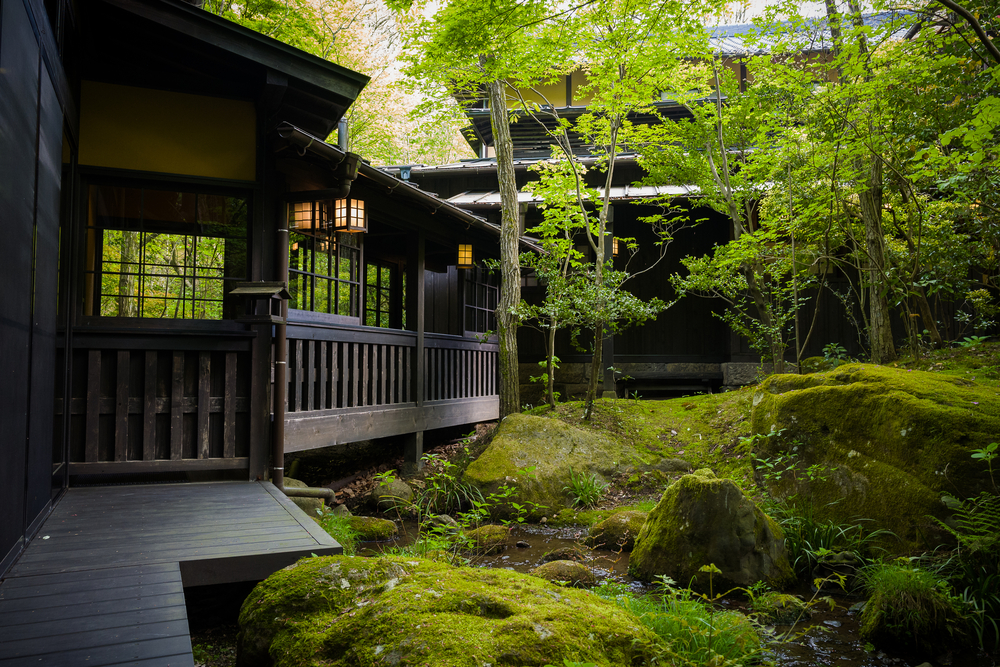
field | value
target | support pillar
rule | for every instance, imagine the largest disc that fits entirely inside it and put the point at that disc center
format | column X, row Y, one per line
column 415, row 317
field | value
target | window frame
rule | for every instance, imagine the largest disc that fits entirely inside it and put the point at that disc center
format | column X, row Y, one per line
column 470, row 279
column 319, row 317
column 123, row 178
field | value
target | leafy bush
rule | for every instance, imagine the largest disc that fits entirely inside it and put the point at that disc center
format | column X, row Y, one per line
column 910, row 606
column 585, row 489
column 974, row 567
column 694, row 632
column 444, row 492
column 808, row 537
column 339, row 528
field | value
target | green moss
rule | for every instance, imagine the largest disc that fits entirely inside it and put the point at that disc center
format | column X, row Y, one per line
column 654, row 441
column 618, row 531
column 567, row 572
column 343, row 612
column 887, row 441
column 702, row 520
column 487, row 539
column 369, row 528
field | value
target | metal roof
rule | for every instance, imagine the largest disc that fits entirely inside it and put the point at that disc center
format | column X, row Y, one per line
column 491, row 199
column 813, row 35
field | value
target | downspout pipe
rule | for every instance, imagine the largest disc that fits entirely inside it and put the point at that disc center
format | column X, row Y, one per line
column 280, row 361
column 281, row 384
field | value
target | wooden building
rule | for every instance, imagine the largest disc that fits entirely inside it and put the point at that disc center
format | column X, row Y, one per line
column 170, row 214
column 687, row 348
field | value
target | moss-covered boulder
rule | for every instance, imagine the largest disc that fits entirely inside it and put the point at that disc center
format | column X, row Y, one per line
column 702, row 520
column 487, row 539
column 344, row 611
column 548, row 448
column 885, row 443
column 390, row 494
column 371, row 529
column 566, row 572
column 618, row 531
column 575, row 552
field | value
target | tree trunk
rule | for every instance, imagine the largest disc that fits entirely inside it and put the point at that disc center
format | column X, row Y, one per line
column 928, row 317
column 882, row 347
column 510, row 273
column 550, row 354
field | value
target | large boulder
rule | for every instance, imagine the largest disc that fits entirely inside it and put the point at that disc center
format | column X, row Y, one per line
column 344, row 611
column 536, row 454
column 702, row 520
column 884, row 443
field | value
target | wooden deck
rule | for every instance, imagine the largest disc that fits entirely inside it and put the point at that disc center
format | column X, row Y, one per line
column 103, row 581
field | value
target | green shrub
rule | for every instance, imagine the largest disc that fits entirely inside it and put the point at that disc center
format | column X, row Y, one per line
column 911, row 607
column 339, row 528
column 585, row 489
column 808, row 537
column 694, row 632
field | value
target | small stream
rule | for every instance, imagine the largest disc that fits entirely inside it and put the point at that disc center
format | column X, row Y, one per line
column 831, row 637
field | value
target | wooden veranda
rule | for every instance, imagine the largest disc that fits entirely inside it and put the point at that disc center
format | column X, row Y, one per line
column 102, row 583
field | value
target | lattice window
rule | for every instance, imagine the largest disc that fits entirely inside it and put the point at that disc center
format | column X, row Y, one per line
column 163, row 253
column 481, row 294
column 378, row 294
column 323, row 265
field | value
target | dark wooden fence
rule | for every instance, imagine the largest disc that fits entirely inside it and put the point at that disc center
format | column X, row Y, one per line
column 136, row 409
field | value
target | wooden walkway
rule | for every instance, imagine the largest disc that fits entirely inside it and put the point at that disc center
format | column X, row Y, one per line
column 103, row 581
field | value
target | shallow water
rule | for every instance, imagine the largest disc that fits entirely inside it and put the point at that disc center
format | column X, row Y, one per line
column 830, row 637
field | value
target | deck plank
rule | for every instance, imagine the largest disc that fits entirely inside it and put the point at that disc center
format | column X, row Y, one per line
column 134, row 624
column 102, row 583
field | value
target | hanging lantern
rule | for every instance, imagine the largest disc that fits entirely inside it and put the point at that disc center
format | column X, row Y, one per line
column 465, row 256
column 614, row 247
column 301, row 214
column 349, row 215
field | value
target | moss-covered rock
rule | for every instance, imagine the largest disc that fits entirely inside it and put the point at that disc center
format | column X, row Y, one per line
column 884, row 443
column 575, row 552
column 344, row 611
column 549, row 448
column 391, row 494
column 618, row 531
column 567, row 572
column 487, row 539
column 371, row 529
column 702, row 520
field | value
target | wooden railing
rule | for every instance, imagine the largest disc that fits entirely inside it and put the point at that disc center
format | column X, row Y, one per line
column 459, row 368
column 338, row 367
column 158, row 405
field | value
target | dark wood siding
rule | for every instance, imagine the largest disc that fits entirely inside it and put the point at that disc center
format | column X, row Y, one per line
column 30, row 143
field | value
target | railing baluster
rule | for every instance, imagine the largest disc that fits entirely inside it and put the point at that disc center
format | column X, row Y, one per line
column 354, row 375
column 323, row 361
column 310, row 375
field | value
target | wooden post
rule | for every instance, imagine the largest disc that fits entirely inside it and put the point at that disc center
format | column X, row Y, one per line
column 415, row 304
column 413, row 450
